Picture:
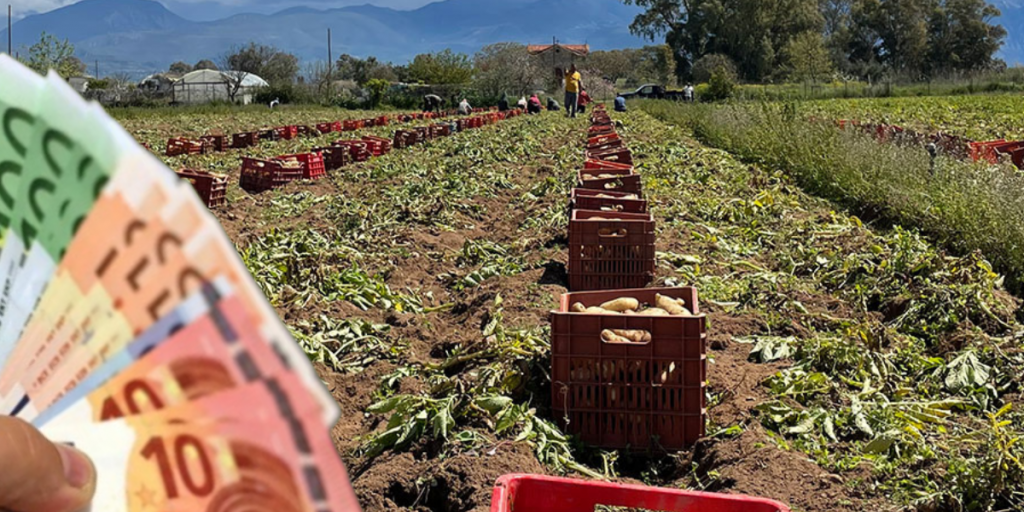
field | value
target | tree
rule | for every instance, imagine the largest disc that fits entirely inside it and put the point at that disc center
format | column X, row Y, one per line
column 52, row 53
column 807, row 57
column 377, row 88
column 441, row 68
column 361, row 71
column 708, row 64
column 205, row 64
column 180, row 68
column 962, row 37
column 505, row 68
column 267, row 62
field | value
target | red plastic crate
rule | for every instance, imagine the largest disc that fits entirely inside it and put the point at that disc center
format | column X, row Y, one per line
column 599, row 200
column 325, row 128
column 245, row 140
column 637, row 396
column 286, row 132
column 602, row 129
column 440, row 130
column 259, row 175
column 425, row 133
column 359, row 150
column 210, row 187
column 312, row 164
column 601, row 140
column 592, row 164
column 534, row 493
column 335, row 157
column 610, row 254
column 406, row 138
column 626, row 181
column 350, row 126
column 381, row 121
column 617, row 155
column 377, row 145
column 182, row 146
column 216, row 143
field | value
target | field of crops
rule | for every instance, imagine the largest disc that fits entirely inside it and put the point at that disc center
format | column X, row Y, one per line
column 852, row 369
column 981, row 117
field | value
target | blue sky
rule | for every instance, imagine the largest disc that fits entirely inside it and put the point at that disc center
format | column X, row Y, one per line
column 201, row 10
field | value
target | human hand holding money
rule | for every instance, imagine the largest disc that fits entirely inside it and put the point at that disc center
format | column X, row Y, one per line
column 131, row 330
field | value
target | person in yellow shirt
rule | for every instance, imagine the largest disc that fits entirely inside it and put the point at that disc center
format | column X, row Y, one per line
column 573, row 86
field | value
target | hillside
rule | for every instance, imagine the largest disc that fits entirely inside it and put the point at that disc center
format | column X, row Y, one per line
column 142, row 36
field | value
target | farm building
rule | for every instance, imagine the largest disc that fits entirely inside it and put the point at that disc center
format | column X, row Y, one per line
column 206, row 85
column 557, row 57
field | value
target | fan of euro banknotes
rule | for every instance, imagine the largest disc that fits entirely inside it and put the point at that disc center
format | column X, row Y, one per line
column 130, row 328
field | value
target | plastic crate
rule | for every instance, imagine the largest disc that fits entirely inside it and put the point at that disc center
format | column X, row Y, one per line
column 617, row 155
column 350, row 126
column 599, row 200
column 637, row 396
column 286, row 132
column 381, row 121
column 182, row 146
column 307, row 131
column 210, row 187
column 534, row 493
column 425, row 133
column 358, row 150
column 377, row 145
column 245, row 140
column 406, row 138
column 216, row 143
column 259, row 175
column 440, row 130
column 624, row 181
column 335, row 157
column 592, row 164
column 312, row 164
column 602, row 129
column 329, row 127
column 610, row 254
column 601, row 140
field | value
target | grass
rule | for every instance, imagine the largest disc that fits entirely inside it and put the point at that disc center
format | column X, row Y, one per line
column 967, row 207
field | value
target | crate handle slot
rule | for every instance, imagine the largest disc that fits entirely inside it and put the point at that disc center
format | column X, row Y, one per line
column 625, row 337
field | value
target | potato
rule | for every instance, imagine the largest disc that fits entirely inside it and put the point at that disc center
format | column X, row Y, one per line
column 621, row 304
column 594, row 310
column 578, row 308
column 625, row 336
column 654, row 312
column 608, row 336
column 675, row 307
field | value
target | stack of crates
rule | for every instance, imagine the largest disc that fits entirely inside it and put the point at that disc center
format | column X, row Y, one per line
column 335, row 157
column 325, row 128
column 182, row 146
column 312, row 164
column 377, row 145
column 406, row 138
column 358, row 149
column 210, row 187
column 623, row 381
column 259, row 175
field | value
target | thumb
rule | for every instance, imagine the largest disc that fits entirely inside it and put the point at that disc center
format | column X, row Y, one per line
column 40, row 476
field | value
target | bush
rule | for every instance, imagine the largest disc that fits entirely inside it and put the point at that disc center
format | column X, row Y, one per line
column 721, row 86
column 285, row 93
column 966, row 206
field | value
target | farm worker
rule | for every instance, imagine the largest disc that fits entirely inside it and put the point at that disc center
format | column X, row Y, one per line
column 583, row 101
column 620, row 103
column 41, row 476
column 553, row 105
column 688, row 93
column 534, row 107
column 275, row 103
column 432, row 103
column 464, row 108
column 521, row 103
column 573, row 85
column 503, row 103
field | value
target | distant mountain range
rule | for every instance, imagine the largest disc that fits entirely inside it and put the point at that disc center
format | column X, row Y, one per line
column 143, row 36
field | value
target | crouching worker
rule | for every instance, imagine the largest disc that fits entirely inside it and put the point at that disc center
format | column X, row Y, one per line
column 534, row 105
column 432, row 103
column 464, row 108
column 620, row 103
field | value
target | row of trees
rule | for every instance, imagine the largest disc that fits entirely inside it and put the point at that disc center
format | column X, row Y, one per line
column 812, row 39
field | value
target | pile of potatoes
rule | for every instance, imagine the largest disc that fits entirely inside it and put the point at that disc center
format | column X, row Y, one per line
column 592, row 177
column 627, row 196
column 290, row 163
column 663, row 306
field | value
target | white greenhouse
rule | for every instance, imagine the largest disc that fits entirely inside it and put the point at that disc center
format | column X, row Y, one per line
column 206, row 85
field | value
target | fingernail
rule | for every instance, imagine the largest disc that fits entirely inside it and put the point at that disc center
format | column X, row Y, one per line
column 77, row 467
